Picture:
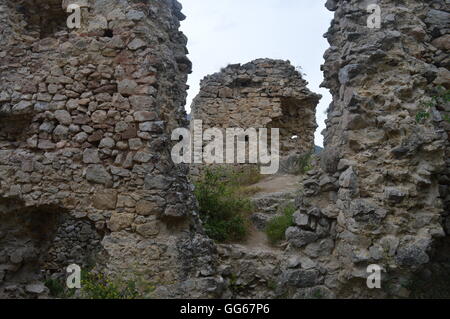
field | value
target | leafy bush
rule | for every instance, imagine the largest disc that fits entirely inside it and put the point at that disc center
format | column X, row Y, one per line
column 58, row 288
column 223, row 208
column 98, row 286
column 277, row 227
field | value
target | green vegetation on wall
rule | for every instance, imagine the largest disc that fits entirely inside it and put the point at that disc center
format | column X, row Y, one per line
column 442, row 97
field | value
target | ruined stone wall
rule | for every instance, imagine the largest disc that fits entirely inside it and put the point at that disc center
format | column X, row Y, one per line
column 383, row 181
column 263, row 93
column 86, row 174
column 379, row 194
column 85, row 122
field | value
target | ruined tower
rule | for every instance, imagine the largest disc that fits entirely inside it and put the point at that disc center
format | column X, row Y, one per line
column 264, row 93
column 85, row 122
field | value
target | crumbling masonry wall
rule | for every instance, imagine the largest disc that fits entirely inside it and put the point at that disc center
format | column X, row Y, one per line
column 85, row 122
column 264, row 93
column 85, row 169
column 383, row 181
column 379, row 194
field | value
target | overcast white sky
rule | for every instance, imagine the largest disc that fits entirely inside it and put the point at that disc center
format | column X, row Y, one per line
column 238, row 31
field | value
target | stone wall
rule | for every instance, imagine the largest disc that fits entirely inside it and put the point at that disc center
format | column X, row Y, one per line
column 263, row 93
column 85, row 123
column 379, row 193
column 383, row 182
column 86, row 174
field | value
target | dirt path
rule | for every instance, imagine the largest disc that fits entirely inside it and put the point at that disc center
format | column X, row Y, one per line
column 257, row 239
column 278, row 183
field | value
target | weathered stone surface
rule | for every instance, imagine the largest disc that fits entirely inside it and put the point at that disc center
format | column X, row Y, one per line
column 127, row 87
column 86, row 106
column 119, row 222
column 154, row 127
column 348, row 72
column 348, row 179
column 300, row 238
column 98, row 174
column 411, row 255
column 144, row 116
column 156, row 182
column 331, row 5
column 147, row 208
column 175, row 211
column 105, row 200
column 61, row 132
column 46, row 145
column 23, row 107
column 37, row 289
column 375, row 214
column 90, row 156
column 135, row 144
column 136, row 44
column 63, row 117
column 442, row 43
column 149, row 229
column 300, row 278
column 394, row 194
column 99, row 117
column 120, row 171
column 107, row 142
column 142, row 157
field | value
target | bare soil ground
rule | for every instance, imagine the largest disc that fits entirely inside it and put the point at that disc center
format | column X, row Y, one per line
column 257, row 239
column 277, row 184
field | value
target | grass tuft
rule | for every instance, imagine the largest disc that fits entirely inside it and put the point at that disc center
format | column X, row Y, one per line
column 276, row 228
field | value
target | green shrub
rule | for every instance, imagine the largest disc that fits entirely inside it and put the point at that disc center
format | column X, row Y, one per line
column 277, row 227
column 223, row 208
column 58, row 288
column 96, row 285
column 99, row 286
